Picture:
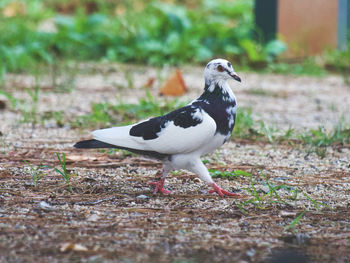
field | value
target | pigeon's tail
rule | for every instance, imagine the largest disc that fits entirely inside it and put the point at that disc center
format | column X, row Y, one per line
column 93, row 144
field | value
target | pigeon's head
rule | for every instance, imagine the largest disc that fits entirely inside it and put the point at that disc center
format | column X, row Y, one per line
column 220, row 69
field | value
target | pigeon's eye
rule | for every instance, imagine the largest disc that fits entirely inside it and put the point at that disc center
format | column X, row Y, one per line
column 220, row 68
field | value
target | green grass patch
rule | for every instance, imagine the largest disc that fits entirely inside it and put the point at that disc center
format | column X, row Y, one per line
column 307, row 67
column 64, row 172
column 244, row 125
column 318, row 140
column 338, row 60
column 227, row 174
column 123, row 113
column 322, row 138
column 264, row 193
column 36, row 172
column 315, row 140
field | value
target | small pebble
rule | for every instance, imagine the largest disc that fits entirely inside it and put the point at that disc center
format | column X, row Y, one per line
column 46, row 206
column 93, row 218
column 142, row 197
column 50, row 125
column 250, row 253
column 280, row 178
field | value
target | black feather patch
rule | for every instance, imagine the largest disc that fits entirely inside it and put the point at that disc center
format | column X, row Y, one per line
column 216, row 103
column 148, row 130
column 183, row 117
column 93, row 144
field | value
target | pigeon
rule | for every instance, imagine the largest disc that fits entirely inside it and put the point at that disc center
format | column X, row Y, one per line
column 181, row 137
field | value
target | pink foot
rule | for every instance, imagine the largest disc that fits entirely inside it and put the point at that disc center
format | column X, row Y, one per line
column 159, row 186
column 220, row 191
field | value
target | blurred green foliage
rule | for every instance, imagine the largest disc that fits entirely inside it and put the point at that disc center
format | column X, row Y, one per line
column 155, row 33
column 103, row 114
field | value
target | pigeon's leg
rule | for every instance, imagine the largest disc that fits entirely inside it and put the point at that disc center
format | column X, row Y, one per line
column 199, row 168
column 159, row 185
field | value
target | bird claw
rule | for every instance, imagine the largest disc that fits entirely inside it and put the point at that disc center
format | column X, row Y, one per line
column 159, row 187
column 220, row 191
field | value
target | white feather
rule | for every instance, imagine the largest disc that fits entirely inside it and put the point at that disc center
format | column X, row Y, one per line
column 118, row 136
column 171, row 139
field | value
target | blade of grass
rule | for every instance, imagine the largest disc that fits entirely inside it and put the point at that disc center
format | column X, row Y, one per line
column 272, row 189
column 314, row 202
column 295, row 221
column 35, row 172
column 254, row 192
column 64, row 172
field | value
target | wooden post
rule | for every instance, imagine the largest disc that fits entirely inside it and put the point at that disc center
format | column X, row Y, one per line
column 307, row 27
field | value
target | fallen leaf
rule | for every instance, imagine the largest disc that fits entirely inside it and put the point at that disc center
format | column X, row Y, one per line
column 120, row 10
column 149, row 83
column 13, row 9
column 174, row 86
column 69, row 246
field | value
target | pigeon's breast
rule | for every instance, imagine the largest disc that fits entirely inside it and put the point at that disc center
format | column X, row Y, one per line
column 212, row 144
column 223, row 113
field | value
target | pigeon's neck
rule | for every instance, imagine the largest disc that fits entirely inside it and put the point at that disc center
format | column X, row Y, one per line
column 218, row 90
column 219, row 102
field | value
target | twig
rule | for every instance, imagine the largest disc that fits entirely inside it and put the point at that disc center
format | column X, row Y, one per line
column 95, row 202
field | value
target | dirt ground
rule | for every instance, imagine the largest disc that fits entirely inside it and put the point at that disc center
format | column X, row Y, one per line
column 112, row 215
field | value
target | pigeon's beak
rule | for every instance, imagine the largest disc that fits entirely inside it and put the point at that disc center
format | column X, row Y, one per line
column 235, row 76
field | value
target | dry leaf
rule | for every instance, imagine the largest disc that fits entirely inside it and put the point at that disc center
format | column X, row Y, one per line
column 72, row 247
column 149, row 82
column 120, row 10
column 174, row 86
column 13, row 9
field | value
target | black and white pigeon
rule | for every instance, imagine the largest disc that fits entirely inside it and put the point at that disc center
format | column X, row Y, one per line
column 182, row 136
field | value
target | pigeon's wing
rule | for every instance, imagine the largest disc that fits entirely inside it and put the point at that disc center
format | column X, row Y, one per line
column 183, row 130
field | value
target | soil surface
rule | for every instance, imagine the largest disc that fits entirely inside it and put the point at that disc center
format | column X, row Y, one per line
column 112, row 214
